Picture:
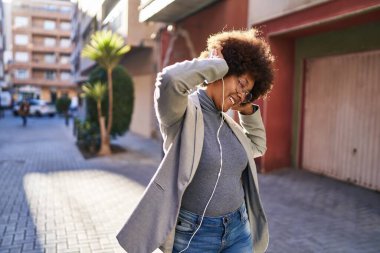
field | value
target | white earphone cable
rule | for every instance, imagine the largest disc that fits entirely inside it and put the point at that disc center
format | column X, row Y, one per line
column 220, row 172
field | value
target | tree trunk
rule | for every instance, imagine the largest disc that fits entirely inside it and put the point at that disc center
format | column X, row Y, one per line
column 110, row 102
column 105, row 148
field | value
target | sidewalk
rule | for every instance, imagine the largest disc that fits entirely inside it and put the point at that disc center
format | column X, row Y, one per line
column 313, row 213
column 53, row 200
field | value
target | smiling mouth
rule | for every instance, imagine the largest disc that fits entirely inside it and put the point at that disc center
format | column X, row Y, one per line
column 232, row 100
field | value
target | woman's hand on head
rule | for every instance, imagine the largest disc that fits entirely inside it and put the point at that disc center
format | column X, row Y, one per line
column 216, row 53
column 245, row 109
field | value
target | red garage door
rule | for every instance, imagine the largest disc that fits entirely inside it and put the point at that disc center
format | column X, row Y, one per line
column 341, row 131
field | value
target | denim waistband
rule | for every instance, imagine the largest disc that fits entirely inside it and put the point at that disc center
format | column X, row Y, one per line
column 238, row 214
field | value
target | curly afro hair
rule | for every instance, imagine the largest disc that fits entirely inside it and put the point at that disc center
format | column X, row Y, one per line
column 246, row 53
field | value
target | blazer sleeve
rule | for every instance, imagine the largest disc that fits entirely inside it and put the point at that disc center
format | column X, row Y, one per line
column 177, row 81
column 253, row 128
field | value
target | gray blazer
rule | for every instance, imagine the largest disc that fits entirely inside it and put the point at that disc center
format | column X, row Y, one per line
column 152, row 223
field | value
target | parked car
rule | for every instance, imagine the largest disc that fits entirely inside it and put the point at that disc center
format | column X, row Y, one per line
column 5, row 99
column 37, row 108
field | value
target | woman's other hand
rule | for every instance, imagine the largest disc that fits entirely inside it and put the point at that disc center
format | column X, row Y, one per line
column 245, row 109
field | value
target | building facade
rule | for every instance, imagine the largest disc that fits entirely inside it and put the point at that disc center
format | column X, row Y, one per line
column 121, row 17
column 41, row 49
column 323, row 115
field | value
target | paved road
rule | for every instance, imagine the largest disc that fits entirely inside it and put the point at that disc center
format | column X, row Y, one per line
column 53, row 200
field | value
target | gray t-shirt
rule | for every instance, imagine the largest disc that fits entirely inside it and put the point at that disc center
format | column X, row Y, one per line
column 229, row 194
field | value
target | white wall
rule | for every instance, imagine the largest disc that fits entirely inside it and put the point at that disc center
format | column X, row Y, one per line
column 142, row 118
column 263, row 10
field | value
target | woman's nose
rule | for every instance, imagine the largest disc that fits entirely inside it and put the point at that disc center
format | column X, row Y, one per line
column 240, row 95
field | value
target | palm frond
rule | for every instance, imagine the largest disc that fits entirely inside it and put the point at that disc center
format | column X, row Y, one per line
column 106, row 48
column 95, row 91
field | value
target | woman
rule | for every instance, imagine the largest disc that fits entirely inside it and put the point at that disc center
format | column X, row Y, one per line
column 204, row 196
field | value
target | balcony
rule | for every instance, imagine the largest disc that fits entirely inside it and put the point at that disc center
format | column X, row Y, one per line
column 51, row 15
column 36, row 64
column 170, row 11
column 46, row 49
column 43, row 82
column 40, row 64
column 52, row 32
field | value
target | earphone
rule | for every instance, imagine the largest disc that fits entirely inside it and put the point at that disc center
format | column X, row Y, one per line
column 220, row 172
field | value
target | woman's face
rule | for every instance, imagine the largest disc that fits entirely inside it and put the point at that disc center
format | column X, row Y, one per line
column 236, row 88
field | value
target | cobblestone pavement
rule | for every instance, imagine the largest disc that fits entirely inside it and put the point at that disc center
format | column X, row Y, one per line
column 53, row 200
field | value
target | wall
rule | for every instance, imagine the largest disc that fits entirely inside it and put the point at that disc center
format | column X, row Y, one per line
column 280, row 115
column 260, row 11
column 200, row 26
column 142, row 118
column 139, row 63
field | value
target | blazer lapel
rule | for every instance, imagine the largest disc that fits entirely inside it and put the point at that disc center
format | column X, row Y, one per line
column 199, row 132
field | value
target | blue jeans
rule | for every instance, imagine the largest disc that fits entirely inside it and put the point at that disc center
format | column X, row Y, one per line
column 226, row 234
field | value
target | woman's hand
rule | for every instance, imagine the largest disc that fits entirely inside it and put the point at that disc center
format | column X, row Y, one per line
column 216, row 53
column 245, row 109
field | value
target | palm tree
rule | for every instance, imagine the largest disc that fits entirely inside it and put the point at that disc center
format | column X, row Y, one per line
column 97, row 92
column 107, row 49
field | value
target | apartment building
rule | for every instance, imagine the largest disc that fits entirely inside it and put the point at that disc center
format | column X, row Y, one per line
column 41, row 49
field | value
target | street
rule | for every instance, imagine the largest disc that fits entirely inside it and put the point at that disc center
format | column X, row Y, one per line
column 53, row 200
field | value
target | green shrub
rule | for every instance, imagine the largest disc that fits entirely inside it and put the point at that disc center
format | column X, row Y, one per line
column 123, row 97
column 88, row 137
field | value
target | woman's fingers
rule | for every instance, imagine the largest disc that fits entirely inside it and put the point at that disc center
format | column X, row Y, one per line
column 216, row 53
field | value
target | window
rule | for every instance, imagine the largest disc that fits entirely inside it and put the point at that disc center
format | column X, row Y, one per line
column 21, row 39
column 21, row 73
column 65, row 76
column 49, row 25
column 65, row 43
column 65, row 26
column 65, row 9
column 49, row 75
column 49, row 58
column 49, row 42
column 64, row 59
column 21, row 21
column 21, row 56
column 51, row 8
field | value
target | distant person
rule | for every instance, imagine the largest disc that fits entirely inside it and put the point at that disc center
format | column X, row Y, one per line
column 24, row 112
column 204, row 196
